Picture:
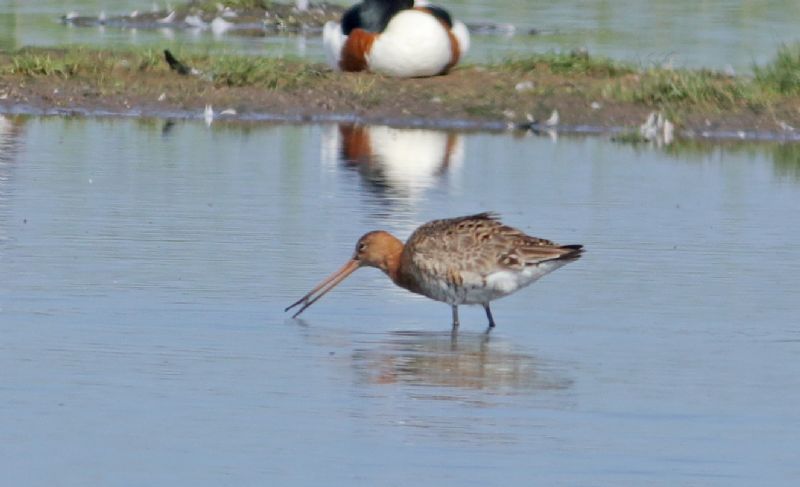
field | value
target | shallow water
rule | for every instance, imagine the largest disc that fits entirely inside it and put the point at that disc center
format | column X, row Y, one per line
column 146, row 267
column 682, row 33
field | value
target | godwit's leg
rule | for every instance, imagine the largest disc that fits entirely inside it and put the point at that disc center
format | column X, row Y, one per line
column 455, row 316
column 489, row 315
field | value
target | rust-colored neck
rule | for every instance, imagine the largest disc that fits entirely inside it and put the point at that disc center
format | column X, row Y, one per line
column 392, row 260
column 398, row 272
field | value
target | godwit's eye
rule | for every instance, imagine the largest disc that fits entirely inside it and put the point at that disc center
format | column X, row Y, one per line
column 361, row 247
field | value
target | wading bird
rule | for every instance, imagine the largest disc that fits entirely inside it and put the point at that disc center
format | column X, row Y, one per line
column 468, row 260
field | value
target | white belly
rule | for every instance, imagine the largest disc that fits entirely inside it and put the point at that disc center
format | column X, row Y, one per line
column 414, row 44
column 477, row 289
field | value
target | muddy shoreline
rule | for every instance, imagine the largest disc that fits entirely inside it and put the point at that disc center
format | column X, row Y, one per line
column 617, row 133
column 469, row 98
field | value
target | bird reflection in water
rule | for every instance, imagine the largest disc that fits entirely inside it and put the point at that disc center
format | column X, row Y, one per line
column 400, row 162
column 11, row 134
column 467, row 361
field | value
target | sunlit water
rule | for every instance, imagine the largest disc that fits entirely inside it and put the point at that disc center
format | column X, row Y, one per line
column 721, row 35
column 145, row 267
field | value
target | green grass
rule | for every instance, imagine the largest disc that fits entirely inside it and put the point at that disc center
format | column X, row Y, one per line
column 77, row 62
column 267, row 72
column 223, row 69
column 570, row 63
column 573, row 73
column 782, row 74
column 667, row 88
column 660, row 87
column 780, row 77
column 34, row 64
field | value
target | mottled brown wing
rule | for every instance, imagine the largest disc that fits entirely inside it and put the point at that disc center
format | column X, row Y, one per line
column 478, row 244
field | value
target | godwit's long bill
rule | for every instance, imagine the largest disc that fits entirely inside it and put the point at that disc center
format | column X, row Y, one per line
column 468, row 260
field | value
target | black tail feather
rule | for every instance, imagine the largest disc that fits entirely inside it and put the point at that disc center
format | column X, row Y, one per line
column 441, row 14
column 576, row 252
column 176, row 65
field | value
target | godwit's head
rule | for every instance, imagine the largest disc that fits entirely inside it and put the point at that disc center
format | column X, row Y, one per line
column 374, row 249
column 379, row 249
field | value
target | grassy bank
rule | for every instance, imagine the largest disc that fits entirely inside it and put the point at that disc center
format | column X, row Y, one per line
column 672, row 88
column 228, row 70
column 584, row 88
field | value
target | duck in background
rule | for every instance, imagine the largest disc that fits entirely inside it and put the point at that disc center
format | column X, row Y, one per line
column 400, row 38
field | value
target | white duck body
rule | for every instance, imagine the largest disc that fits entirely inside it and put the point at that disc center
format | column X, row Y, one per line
column 414, row 43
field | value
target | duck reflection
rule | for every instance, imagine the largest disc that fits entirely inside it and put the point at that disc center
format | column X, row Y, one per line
column 467, row 361
column 395, row 162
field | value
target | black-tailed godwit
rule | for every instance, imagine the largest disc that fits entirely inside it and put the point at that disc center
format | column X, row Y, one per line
column 468, row 260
